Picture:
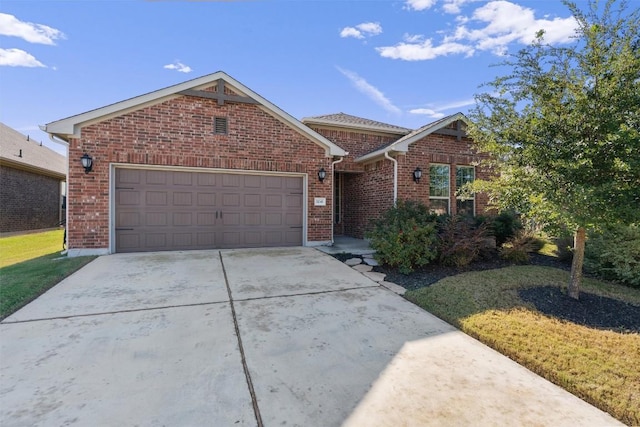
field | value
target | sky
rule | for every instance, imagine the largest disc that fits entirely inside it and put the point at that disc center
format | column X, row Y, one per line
column 404, row 62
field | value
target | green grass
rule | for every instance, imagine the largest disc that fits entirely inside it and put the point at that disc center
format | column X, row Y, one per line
column 598, row 366
column 24, row 247
column 30, row 264
column 549, row 249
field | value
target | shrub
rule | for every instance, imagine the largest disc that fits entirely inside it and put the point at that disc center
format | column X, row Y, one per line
column 517, row 249
column 505, row 226
column 615, row 254
column 531, row 241
column 460, row 241
column 405, row 236
column 514, row 254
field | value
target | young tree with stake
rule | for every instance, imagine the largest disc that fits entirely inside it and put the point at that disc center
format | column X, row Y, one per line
column 563, row 127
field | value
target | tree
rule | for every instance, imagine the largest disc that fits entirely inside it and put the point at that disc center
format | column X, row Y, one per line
column 563, row 127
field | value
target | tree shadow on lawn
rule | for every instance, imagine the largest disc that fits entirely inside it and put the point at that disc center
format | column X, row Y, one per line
column 590, row 310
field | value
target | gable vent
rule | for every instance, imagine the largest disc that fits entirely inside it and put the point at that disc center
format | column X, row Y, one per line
column 220, row 125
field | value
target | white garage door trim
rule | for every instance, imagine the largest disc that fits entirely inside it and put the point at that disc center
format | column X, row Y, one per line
column 112, row 191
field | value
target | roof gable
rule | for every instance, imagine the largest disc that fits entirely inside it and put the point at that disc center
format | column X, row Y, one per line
column 402, row 144
column 354, row 122
column 17, row 150
column 70, row 127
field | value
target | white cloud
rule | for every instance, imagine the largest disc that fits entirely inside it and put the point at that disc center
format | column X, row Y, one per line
column 456, row 104
column 448, row 6
column 371, row 28
column 178, row 66
column 351, row 32
column 427, row 112
column 33, row 33
column 419, row 4
column 370, row 91
column 453, row 6
column 360, row 31
column 493, row 27
column 437, row 111
column 18, row 58
column 413, row 38
column 423, row 50
column 507, row 23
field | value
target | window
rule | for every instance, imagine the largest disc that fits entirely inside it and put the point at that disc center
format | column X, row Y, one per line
column 220, row 125
column 439, row 188
column 464, row 175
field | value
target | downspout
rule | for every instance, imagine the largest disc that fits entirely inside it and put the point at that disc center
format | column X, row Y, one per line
column 395, row 176
column 333, row 192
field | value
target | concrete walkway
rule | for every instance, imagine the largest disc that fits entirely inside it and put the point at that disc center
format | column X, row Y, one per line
column 255, row 337
column 350, row 245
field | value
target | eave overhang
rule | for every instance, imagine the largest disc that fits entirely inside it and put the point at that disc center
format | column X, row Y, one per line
column 402, row 145
column 71, row 127
column 31, row 168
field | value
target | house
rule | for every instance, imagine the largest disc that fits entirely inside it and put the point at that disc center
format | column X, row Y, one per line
column 32, row 178
column 387, row 162
column 209, row 163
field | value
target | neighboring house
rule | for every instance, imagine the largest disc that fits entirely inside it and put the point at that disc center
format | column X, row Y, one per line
column 32, row 179
column 209, row 163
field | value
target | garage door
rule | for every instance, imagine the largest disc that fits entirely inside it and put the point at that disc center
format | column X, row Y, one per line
column 159, row 210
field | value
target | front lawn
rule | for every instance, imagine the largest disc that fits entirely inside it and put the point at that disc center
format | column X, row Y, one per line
column 24, row 247
column 30, row 264
column 591, row 348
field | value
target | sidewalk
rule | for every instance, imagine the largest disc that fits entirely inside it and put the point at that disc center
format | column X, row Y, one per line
column 346, row 244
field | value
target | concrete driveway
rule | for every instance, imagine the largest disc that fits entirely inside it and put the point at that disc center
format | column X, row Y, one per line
column 254, row 337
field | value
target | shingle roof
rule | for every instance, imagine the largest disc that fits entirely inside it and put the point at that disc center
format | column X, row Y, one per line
column 429, row 126
column 349, row 121
column 402, row 144
column 16, row 150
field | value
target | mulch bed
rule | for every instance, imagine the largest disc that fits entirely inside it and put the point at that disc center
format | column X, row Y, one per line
column 590, row 310
column 432, row 273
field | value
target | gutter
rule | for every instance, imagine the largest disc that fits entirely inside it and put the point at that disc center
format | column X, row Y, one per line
column 395, row 176
column 52, row 136
column 333, row 192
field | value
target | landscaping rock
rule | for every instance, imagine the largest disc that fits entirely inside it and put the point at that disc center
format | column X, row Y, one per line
column 371, row 261
column 353, row 261
column 363, row 268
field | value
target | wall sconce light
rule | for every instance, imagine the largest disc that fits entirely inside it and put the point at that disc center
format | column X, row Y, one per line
column 417, row 174
column 87, row 162
column 322, row 174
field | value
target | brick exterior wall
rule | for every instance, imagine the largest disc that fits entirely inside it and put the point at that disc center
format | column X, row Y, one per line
column 179, row 132
column 440, row 149
column 28, row 201
column 357, row 143
column 366, row 196
column 369, row 190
